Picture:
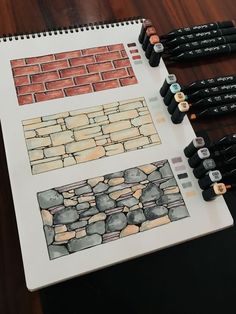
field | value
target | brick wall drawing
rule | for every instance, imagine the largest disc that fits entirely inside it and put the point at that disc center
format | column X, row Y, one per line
column 103, row 209
column 69, row 138
column 71, row 73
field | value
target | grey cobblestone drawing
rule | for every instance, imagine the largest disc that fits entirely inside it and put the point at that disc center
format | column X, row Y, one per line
column 69, row 138
column 103, row 209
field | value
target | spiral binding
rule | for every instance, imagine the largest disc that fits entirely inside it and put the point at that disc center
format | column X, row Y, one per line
column 72, row 29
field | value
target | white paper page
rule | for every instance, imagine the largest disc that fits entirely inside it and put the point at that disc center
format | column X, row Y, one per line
column 204, row 217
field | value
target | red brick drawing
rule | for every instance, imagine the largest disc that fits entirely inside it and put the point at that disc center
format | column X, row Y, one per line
column 71, row 73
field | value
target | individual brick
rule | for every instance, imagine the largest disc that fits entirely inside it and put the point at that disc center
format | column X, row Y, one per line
column 47, row 166
column 31, row 69
column 124, row 115
column 147, row 129
column 87, row 133
column 54, row 151
column 21, row 80
column 124, row 134
column 90, row 154
column 128, row 81
column 36, row 154
column 37, row 125
column 114, row 74
column 124, row 54
column 76, row 121
column 60, row 84
column 80, row 146
column 38, row 60
column 130, row 71
column 67, row 55
column 31, row 88
column 85, row 79
column 92, row 51
column 82, row 60
column 48, row 130
column 73, row 71
column 25, row 99
column 121, row 63
column 56, row 65
column 45, row 77
column 17, row 63
column 61, row 138
column 49, row 95
column 84, row 89
column 31, row 121
column 139, row 142
column 142, row 120
column 38, row 142
column 100, row 67
column 106, row 85
column 116, row 47
column 114, row 149
column 108, row 56
column 116, row 126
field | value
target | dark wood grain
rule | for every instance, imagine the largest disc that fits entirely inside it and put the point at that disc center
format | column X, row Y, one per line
column 24, row 16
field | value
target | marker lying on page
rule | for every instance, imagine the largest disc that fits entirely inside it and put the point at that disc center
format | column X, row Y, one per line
column 211, row 42
column 197, row 28
column 210, row 178
column 205, row 52
column 200, row 36
column 154, row 39
column 193, row 146
column 145, row 25
column 170, row 79
column 216, row 100
column 205, row 166
column 212, row 91
column 214, row 111
column 149, row 32
column 213, row 191
column 210, row 82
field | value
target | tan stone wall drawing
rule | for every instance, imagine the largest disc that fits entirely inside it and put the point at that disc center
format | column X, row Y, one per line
column 69, row 138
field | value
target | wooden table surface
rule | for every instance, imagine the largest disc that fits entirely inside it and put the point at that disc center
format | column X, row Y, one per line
column 24, row 16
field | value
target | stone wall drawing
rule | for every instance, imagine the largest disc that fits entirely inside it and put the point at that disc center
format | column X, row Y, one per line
column 69, row 138
column 103, row 209
column 71, row 73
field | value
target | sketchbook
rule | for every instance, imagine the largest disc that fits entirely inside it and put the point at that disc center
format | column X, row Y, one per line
column 96, row 166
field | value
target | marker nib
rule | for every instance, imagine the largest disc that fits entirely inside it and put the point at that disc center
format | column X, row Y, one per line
column 193, row 116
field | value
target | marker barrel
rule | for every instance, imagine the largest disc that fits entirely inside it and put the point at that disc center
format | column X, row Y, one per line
column 149, row 32
column 180, row 112
column 213, row 191
column 155, row 57
column 145, row 25
column 205, row 166
column 210, row 178
column 193, row 146
column 173, row 89
column 170, row 79
column 178, row 97
column 154, row 39
column 201, row 154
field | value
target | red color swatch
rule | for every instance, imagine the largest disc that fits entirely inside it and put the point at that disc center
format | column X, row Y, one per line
column 71, row 73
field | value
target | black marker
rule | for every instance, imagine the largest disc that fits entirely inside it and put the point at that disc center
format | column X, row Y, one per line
column 216, row 100
column 149, row 32
column 227, row 152
column 145, row 25
column 193, row 146
column 195, row 160
column 173, row 89
column 226, row 140
column 229, row 176
column 155, row 57
column 212, row 91
column 215, row 190
column 205, row 52
column 214, row 111
column 180, row 112
column 198, row 28
column 210, row 178
column 211, row 42
column 204, row 166
column 154, row 39
column 178, row 97
column 225, row 165
column 170, row 79
column 200, row 36
column 210, row 82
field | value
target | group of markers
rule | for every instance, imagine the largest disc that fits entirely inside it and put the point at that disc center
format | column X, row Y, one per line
column 210, row 97
column 188, row 43
column 219, row 155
